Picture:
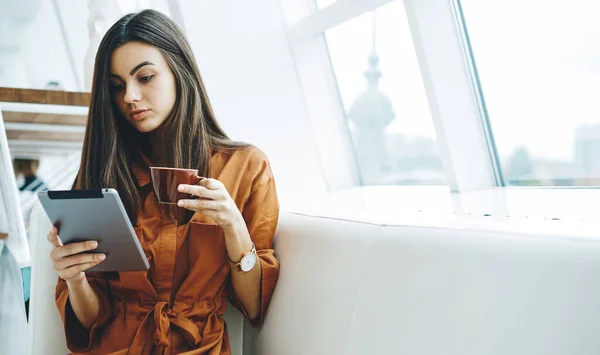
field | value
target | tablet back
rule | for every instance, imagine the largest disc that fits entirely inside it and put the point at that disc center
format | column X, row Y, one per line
column 83, row 215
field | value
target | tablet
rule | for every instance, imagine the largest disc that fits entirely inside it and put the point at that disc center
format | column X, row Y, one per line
column 83, row 215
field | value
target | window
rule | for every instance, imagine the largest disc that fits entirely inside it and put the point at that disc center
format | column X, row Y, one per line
column 55, row 31
column 324, row 3
column 539, row 69
column 384, row 99
column 58, row 32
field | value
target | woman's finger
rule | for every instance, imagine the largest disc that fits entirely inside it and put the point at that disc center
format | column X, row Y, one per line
column 76, row 269
column 53, row 237
column 211, row 184
column 199, row 205
column 201, row 191
column 74, row 248
column 70, row 261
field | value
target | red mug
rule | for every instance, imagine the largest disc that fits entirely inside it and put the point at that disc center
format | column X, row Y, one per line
column 166, row 182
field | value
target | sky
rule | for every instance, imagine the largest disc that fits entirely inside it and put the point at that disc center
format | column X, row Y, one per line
column 539, row 65
column 538, row 61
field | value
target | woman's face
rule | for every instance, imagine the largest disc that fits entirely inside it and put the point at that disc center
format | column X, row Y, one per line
column 142, row 85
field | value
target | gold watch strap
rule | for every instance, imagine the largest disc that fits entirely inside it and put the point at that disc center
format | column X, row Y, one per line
column 239, row 263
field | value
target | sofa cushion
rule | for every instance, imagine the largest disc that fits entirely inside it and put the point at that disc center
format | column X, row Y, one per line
column 321, row 267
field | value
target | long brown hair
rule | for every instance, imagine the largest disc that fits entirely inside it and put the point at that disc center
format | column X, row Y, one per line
column 111, row 143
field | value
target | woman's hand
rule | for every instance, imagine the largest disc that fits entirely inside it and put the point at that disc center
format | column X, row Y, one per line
column 214, row 201
column 69, row 261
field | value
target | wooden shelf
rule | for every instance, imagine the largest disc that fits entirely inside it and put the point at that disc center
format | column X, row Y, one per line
column 45, row 136
column 47, row 97
column 44, row 118
column 39, row 118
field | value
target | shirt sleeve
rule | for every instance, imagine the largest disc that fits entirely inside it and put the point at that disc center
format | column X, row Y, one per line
column 78, row 337
column 261, row 214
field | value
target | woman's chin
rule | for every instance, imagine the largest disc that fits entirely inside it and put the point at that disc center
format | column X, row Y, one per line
column 145, row 127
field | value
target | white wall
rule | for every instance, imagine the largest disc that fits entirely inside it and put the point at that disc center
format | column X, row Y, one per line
column 43, row 52
column 75, row 16
column 246, row 62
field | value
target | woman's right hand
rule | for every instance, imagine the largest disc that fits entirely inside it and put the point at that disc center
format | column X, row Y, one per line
column 69, row 261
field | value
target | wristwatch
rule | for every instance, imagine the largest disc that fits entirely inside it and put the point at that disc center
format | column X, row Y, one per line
column 248, row 261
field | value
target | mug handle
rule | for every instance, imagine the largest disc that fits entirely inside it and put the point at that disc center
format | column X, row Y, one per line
column 198, row 179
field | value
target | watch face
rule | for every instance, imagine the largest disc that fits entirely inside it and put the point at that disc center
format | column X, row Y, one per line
column 248, row 262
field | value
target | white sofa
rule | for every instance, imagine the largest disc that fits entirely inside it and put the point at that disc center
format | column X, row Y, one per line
column 349, row 287
column 354, row 288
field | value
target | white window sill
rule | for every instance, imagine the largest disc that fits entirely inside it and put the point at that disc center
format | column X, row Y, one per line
column 559, row 212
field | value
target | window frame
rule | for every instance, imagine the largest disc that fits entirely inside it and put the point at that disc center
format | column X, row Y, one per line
column 463, row 133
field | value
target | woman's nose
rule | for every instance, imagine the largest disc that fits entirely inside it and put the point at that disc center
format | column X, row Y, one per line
column 132, row 94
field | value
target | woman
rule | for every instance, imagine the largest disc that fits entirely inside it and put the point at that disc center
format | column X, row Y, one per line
column 149, row 108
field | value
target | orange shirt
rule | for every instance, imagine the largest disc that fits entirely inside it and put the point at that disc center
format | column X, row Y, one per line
column 177, row 306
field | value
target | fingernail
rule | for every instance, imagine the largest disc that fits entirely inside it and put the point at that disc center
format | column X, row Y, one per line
column 93, row 244
column 181, row 188
column 101, row 257
column 180, row 203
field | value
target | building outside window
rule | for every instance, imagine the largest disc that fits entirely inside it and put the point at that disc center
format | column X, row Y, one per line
column 384, row 99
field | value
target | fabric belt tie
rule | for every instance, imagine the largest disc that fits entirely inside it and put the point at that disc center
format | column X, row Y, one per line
column 163, row 317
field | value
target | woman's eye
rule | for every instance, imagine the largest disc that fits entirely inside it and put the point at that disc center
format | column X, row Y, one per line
column 117, row 87
column 145, row 79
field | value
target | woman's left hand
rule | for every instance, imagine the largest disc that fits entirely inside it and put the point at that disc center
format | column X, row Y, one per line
column 213, row 201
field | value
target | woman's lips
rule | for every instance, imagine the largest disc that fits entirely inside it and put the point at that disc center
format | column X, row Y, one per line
column 139, row 114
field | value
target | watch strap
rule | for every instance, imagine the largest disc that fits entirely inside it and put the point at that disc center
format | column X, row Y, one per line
column 238, row 264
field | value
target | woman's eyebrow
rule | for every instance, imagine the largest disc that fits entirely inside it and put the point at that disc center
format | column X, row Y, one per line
column 137, row 67
column 134, row 70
